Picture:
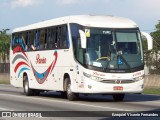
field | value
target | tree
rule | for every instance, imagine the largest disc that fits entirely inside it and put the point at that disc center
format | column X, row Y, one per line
column 4, row 44
column 152, row 57
column 156, row 37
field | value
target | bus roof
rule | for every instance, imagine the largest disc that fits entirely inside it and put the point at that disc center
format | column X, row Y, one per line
column 85, row 20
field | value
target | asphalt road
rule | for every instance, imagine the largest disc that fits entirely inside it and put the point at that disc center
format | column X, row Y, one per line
column 13, row 99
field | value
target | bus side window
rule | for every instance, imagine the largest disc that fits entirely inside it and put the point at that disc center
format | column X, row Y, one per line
column 37, row 40
column 78, row 51
column 29, row 40
column 35, row 45
column 26, row 41
column 75, row 35
column 45, row 39
column 13, row 41
column 16, row 40
column 23, row 41
column 52, row 38
column 32, row 37
column 42, row 39
column 58, row 37
column 49, row 38
column 64, row 37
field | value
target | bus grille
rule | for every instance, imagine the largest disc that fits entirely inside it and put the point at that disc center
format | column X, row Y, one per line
column 118, row 81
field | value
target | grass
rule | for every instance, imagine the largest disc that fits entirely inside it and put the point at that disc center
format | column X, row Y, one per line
column 155, row 91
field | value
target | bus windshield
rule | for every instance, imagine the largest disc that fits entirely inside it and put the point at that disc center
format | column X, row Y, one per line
column 113, row 49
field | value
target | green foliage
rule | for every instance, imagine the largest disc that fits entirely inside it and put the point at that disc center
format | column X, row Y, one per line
column 156, row 37
column 152, row 58
column 4, row 44
column 158, row 26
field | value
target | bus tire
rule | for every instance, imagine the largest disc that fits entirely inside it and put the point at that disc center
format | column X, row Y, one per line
column 70, row 95
column 27, row 90
column 118, row 97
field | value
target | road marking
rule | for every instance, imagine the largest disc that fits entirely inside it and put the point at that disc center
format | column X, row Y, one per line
column 58, row 101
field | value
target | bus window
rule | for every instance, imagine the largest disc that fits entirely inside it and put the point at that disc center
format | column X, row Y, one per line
column 26, row 40
column 29, row 40
column 58, row 38
column 45, row 39
column 13, row 41
column 19, row 40
column 23, row 41
column 75, row 35
column 78, row 51
column 63, row 40
column 16, row 40
column 52, row 36
column 35, row 44
column 32, row 37
column 42, row 39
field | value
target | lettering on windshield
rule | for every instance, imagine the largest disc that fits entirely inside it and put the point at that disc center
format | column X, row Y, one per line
column 106, row 32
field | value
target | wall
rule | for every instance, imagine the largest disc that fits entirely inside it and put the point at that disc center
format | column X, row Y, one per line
column 4, row 78
column 152, row 81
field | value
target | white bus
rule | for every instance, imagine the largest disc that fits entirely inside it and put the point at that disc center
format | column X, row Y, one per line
column 84, row 54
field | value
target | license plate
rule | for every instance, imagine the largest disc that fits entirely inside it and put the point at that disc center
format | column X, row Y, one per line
column 119, row 88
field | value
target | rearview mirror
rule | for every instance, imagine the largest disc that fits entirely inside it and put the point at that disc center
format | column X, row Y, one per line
column 83, row 39
column 149, row 40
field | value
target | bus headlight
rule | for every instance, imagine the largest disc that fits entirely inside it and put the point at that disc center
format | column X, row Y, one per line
column 92, row 77
column 139, row 78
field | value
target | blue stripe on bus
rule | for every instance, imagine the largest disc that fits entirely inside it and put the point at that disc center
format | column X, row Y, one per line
column 41, row 75
column 21, row 70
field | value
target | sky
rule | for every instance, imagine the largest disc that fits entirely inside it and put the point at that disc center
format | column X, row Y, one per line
column 17, row 13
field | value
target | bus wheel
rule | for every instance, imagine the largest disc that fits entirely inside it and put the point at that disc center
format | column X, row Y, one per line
column 27, row 90
column 70, row 95
column 118, row 97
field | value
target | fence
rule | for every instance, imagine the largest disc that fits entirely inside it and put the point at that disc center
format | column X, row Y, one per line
column 4, row 67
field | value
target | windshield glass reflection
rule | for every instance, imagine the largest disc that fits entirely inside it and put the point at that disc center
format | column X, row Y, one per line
column 113, row 50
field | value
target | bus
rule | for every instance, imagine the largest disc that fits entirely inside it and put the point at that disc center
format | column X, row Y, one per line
column 79, row 54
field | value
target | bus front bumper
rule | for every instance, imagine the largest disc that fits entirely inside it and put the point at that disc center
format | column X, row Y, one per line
column 92, row 86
